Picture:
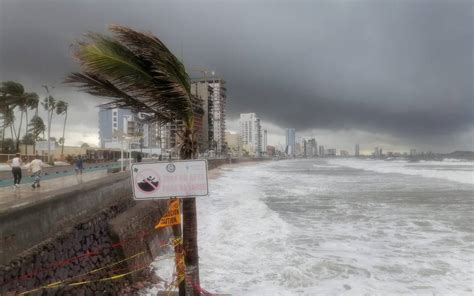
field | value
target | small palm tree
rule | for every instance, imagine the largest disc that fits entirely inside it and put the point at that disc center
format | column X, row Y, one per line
column 137, row 71
column 61, row 109
column 37, row 127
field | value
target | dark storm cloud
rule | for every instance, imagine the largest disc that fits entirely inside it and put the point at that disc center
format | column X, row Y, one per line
column 403, row 68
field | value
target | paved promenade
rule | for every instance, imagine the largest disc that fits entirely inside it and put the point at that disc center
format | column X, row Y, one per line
column 11, row 198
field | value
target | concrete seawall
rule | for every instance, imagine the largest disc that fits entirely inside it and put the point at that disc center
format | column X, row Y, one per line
column 78, row 229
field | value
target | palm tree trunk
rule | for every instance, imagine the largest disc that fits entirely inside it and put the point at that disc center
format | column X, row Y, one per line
column 26, row 131
column 64, row 130
column 50, row 119
column 191, row 257
column 3, row 138
column 13, row 136
column 19, row 132
column 13, row 132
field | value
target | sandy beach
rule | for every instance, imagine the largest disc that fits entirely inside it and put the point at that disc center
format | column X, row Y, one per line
column 216, row 172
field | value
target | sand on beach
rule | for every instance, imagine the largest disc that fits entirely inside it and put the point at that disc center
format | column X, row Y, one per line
column 215, row 172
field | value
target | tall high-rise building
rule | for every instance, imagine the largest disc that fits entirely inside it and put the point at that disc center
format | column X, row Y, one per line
column 265, row 144
column 357, row 150
column 290, row 141
column 321, row 151
column 212, row 92
column 305, row 148
column 251, row 133
column 127, row 122
column 312, row 148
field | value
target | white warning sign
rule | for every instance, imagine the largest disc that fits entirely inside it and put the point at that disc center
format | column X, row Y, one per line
column 169, row 179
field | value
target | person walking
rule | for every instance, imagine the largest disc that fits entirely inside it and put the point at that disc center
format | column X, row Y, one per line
column 139, row 157
column 36, row 168
column 79, row 165
column 16, row 170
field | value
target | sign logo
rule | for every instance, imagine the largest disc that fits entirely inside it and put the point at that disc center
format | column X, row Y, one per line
column 147, row 181
column 170, row 168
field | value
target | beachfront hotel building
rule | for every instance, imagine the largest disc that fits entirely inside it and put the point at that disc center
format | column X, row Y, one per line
column 290, row 142
column 357, row 150
column 251, row 133
column 212, row 92
column 113, row 120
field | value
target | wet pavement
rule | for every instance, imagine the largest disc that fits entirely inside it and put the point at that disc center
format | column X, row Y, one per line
column 11, row 198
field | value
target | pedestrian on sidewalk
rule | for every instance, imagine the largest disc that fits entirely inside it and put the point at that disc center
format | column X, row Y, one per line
column 139, row 157
column 79, row 165
column 16, row 163
column 36, row 168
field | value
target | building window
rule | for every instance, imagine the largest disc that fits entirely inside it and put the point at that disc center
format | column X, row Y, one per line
column 115, row 125
column 115, row 113
column 115, row 119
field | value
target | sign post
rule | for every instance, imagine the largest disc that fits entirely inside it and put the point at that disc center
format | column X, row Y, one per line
column 164, row 180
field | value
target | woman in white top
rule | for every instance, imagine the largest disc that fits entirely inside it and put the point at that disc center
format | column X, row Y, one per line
column 16, row 170
column 36, row 167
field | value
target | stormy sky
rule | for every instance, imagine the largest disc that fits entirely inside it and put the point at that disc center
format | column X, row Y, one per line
column 395, row 74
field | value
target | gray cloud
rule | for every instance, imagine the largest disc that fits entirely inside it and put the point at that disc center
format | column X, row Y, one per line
column 394, row 67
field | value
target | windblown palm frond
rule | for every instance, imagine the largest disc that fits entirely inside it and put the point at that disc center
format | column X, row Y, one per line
column 136, row 71
column 7, row 116
column 61, row 107
column 11, row 88
column 10, row 91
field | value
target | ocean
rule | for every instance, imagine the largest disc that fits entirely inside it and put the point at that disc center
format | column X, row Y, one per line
column 338, row 227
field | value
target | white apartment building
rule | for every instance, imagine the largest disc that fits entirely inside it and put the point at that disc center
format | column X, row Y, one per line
column 251, row 133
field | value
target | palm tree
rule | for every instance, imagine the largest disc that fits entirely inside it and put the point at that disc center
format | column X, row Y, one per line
column 49, row 104
column 61, row 108
column 23, row 102
column 8, row 117
column 32, row 103
column 37, row 127
column 17, row 97
column 137, row 71
column 8, row 101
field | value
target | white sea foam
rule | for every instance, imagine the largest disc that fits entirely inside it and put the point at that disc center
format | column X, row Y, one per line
column 309, row 228
column 458, row 171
